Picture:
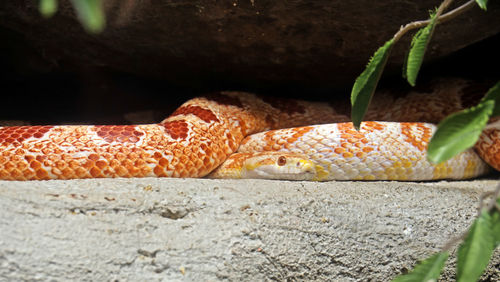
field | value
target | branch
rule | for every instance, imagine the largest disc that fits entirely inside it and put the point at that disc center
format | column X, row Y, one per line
column 441, row 19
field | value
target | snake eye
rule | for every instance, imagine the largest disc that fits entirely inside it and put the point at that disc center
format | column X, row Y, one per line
column 281, row 161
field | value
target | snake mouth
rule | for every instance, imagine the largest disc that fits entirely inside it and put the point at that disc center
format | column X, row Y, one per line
column 301, row 169
column 283, row 176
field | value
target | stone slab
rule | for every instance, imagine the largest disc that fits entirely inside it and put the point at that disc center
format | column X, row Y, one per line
column 235, row 230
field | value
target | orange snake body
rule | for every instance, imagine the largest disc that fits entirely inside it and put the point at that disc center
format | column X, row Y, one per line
column 203, row 132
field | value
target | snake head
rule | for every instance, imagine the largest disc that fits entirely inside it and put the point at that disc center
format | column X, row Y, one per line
column 267, row 165
column 278, row 165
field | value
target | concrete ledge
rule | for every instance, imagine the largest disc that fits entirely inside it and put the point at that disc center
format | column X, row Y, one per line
column 207, row 230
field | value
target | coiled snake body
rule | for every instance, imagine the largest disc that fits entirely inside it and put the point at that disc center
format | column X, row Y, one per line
column 307, row 140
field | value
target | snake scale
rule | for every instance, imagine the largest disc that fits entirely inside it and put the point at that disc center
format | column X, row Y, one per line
column 272, row 138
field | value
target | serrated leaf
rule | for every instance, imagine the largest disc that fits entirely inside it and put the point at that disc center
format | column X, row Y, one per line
column 417, row 50
column 475, row 252
column 493, row 94
column 47, row 8
column 363, row 88
column 482, row 4
column 458, row 132
column 427, row 270
column 90, row 14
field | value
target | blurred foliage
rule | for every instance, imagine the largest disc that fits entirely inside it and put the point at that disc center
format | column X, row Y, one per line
column 90, row 13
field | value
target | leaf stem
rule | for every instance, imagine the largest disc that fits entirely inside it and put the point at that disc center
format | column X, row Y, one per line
column 440, row 18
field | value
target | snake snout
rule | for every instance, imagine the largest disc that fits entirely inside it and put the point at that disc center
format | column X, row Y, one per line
column 307, row 166
column 306, row 169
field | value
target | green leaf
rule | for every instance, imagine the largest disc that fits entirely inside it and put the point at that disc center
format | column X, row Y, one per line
column 48, row 8
column 363, row 88
column 416, row 55
column 493, row 94
column 90, row 14
column 458, row 132
column 475, row 252
column 482, row 4
column 427, row 270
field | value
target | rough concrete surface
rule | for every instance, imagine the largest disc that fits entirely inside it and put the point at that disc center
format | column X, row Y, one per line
column 210, row 230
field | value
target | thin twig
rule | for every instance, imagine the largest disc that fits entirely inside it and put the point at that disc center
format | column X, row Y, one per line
column 452, row 242
column 493, row 203
column 481, row 201
column 490, row 207
column 441, row 19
